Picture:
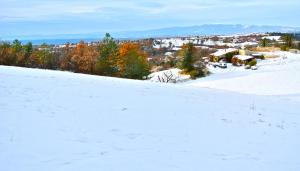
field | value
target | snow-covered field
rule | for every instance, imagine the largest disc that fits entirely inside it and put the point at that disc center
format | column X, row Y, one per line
column 60, row 121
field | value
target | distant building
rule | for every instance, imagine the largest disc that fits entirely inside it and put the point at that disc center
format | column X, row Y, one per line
column 222, row 54
column 241, row 59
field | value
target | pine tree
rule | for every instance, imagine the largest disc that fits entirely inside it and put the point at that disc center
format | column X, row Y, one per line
column 28, row 48
column 188, row 57
column 106, row 62
column 17, row 55
column 264, row 42
column 288, row 40
column 192, row 63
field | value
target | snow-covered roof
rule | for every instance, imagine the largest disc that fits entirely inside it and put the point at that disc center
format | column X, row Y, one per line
column 168, row 54
column 276, row 38
column 221, row 52
column 176, row 48
column 243, row 57
column 257, row 54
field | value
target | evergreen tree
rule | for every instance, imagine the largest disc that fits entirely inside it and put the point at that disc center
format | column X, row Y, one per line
column 192, row 63
column 45, row 59
column 188, row 57
column 16, row 46
column 264, row 42
column 106, row 62
column 17, row 57
column 288, row 40
column 27, row 52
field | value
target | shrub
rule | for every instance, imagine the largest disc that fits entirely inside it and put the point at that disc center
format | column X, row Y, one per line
column 234, row 61
column 284, row 48
column 252, row 63
column 197, row 73
column 194, row 74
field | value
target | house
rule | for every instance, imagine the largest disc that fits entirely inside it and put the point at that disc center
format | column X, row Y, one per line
column 223, row 54
column 241, row 59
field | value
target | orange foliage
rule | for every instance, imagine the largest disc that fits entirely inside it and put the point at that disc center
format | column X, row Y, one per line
column 127, row 47
column 84, row 58
column 124, row 51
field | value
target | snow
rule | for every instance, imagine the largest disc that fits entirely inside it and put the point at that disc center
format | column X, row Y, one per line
column 168, row 54
column 243, row 57
column 177, row 42
column 176, row 48
column 275, row 38
column 174, row 74
column 53, row 120
column 221, row 52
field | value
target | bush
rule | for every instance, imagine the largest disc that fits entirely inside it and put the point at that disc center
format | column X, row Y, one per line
column 252, row 63
column 284, row 48
column 234, row 61
column 197, row 73
column 194, row 74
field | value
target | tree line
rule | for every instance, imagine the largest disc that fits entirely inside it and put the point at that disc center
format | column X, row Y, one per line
column 125, row 60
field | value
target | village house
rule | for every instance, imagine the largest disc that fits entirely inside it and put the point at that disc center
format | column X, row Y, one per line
column 223, row 54
column 241, row 59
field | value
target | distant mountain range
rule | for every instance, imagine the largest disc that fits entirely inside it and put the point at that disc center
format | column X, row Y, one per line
column 207, row 29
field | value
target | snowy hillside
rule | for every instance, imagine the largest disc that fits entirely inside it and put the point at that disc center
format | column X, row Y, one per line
column 60, row 121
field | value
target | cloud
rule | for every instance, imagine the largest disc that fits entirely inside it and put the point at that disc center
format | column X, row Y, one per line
column 45, row 10
column 95, row 15
column 36, row 10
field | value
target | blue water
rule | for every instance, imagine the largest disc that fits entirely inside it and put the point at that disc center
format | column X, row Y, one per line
column 57, row 41
column 63, row 41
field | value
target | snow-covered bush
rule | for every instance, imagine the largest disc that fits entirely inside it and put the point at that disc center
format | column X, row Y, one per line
column 168, row 76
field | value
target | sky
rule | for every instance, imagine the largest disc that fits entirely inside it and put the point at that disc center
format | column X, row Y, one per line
column 52, row 17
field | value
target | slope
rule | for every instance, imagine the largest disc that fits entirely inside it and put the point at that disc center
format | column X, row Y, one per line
column 52, row 120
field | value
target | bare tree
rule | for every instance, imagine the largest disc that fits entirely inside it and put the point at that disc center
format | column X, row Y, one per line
column 167, row 77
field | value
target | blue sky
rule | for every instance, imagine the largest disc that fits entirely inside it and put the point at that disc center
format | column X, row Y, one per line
column 41, row 17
